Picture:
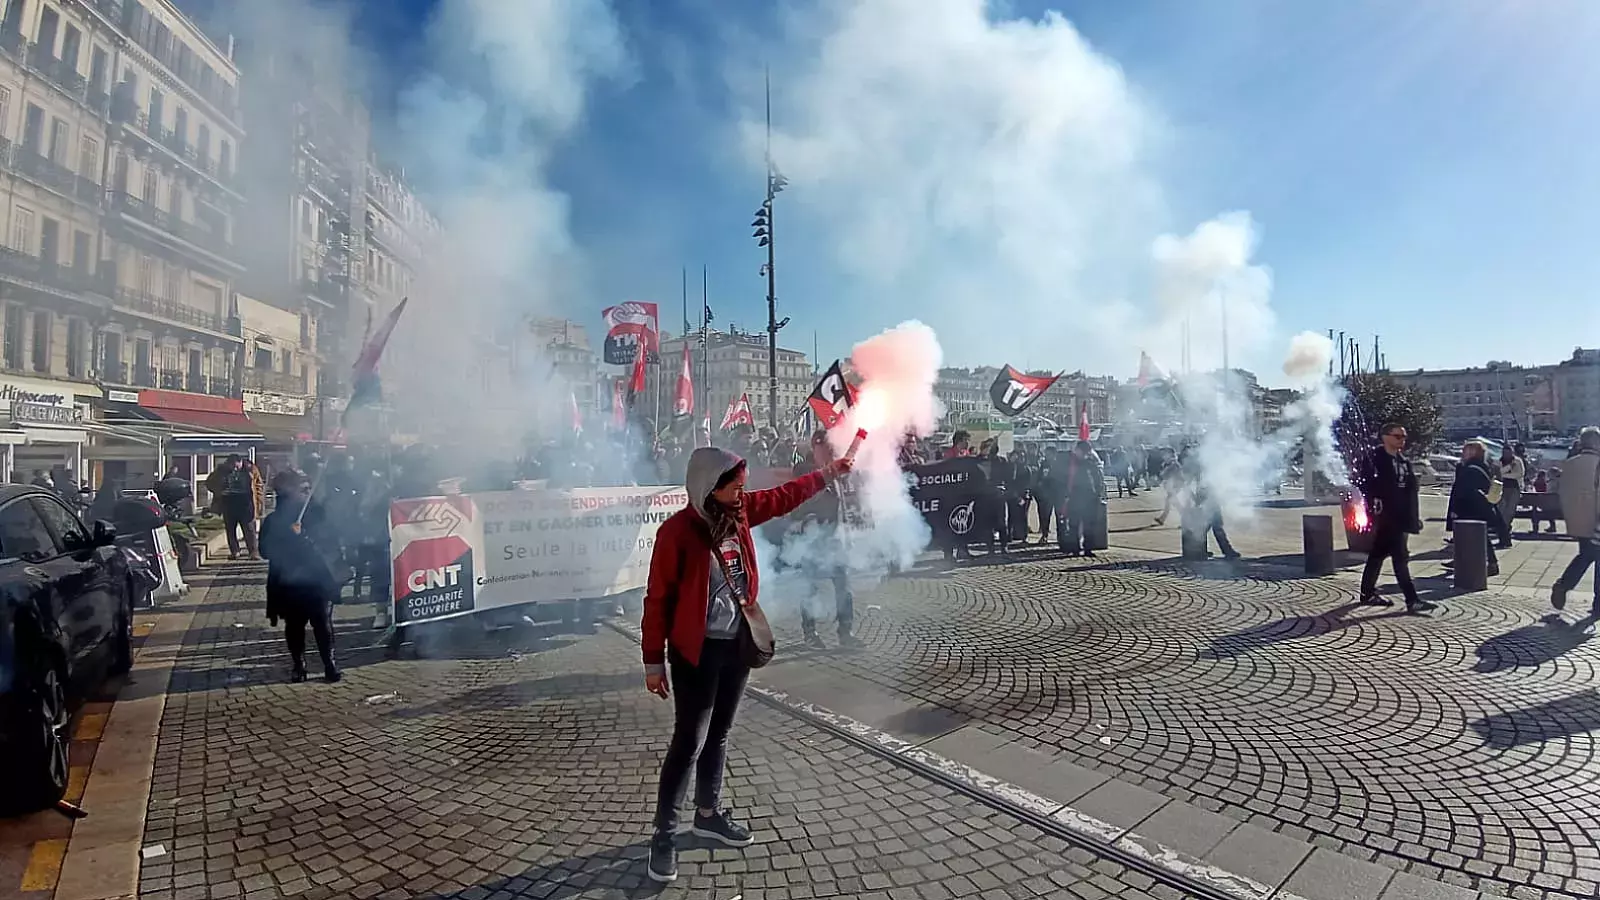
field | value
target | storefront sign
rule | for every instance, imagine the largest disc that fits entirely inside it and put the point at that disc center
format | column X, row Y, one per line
column 47, row 393
column 40, row 413
column 276, row 404
column 201, row 444
column 466, row 553
column 122, row 396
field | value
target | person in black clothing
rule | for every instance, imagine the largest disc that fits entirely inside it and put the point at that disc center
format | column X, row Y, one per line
column 1001, row 475
column 1469, row 495
column 836, row 506
column 1050, row 490
column 1203, row 517
column 1023, row 474
column 1084, row 493
column 300, row 585
column 1390, row 485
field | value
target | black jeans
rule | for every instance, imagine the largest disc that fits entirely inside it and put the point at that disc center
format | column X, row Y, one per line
column 1047, row 514
column 1588, row 555
column 295, row 622
column 844, row 606
column 705, row 700
column 1389, row 542
column 237, row 515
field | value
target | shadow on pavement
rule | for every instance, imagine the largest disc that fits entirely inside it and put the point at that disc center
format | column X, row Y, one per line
column 1535, row 644
column 614, row 872
column 1572, row 715
column 1243, row 642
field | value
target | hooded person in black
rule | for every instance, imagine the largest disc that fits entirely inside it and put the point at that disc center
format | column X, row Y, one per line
column 301, row 587
column 1390, row 486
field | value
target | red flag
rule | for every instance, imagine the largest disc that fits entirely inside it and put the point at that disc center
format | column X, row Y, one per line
column 636, row 383
column 372, row 350
column 1083, row 424
column 683, row 403
column 619, row 404
column 739, row 413
column 832, row 397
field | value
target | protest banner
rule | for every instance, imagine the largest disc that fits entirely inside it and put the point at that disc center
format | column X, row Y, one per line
column 468, row 553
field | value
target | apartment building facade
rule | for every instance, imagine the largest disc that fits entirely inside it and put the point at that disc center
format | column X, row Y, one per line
column 730, row 365
column 119, row 133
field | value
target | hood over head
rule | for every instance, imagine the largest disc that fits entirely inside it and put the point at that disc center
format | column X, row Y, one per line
column 707, row 465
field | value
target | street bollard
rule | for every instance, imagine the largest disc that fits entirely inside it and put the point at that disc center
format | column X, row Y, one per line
column 1193, row 535
column 1472, row 555
column 1096, row 531
column 1317, row 536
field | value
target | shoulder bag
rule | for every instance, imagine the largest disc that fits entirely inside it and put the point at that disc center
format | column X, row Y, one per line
column 756, row 643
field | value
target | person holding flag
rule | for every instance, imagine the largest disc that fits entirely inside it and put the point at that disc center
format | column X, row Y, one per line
column 825, row 516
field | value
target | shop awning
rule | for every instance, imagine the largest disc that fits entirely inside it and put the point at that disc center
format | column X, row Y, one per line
column 231, row 422
column 197, row 411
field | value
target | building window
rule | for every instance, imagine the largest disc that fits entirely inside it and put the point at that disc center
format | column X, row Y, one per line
column 151, row 183
column 41, row 340
column 225, row 159
column 77, row 347
column 13, row 336
column 202, row 146
column 174, row 284
column 82, row 250
column 22, row 230
column 32, row 128
column 154, row 111
column 89, row 158
column 175, row 201
column 5, row 112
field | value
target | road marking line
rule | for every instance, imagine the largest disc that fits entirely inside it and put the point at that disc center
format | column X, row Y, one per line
column 44, row 865
column 90, row 727
column 77, row 779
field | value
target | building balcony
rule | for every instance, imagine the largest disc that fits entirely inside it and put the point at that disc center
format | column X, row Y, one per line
column 46, row 173
column 213, row 243
column 25, row 268
column 274, row 382
column 143, row 376
column 223, row 99
column 124, row 111
column 329, row 291
column 141, row 303
column 171, row 380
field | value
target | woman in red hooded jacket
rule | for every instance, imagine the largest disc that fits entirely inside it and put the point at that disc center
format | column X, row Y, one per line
column 702, row 574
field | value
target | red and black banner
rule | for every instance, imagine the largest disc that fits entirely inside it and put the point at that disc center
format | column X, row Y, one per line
column 832, row 397
column 1013, row 392
column 433, row 576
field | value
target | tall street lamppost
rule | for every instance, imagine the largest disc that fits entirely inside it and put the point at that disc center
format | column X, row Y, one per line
column 765, row 237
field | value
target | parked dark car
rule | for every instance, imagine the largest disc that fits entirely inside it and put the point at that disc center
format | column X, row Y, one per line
column 66, row 622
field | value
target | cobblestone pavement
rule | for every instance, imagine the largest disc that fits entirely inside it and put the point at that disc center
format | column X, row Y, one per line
column 1458, row 746
column 529, row 771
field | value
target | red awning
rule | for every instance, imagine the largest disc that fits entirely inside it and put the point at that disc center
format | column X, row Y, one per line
column 199, row 411
column 231, row 422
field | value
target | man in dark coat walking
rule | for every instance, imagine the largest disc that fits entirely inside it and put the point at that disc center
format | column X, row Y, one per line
column 1390, row 486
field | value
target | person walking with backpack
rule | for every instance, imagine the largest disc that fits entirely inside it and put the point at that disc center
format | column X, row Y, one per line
column 702, row 580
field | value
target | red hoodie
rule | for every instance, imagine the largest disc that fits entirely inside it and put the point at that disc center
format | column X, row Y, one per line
column 680, row 564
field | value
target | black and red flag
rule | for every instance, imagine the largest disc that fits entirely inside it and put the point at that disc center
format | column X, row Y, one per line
column 1013, row 392
column 832, row 397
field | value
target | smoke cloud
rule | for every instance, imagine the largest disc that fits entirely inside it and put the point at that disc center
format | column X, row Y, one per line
column 984, row 174
column 897, row 369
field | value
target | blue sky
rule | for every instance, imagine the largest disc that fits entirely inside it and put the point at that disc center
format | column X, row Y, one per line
column 1422, row 170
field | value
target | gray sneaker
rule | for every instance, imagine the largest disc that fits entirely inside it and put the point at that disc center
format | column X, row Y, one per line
column 663, row 859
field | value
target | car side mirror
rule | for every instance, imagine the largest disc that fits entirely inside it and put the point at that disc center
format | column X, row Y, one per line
column 105, row 533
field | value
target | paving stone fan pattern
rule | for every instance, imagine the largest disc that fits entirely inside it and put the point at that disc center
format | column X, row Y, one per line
column 1458, row 746
column 530, row 772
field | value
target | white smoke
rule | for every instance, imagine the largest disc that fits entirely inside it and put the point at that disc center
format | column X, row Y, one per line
column 981, row 172
column 507, row 85
column 897, row 369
